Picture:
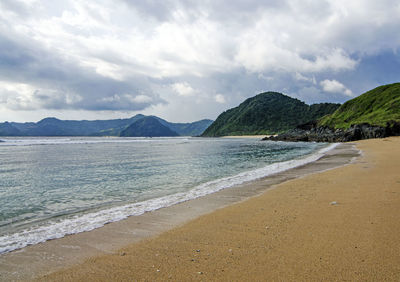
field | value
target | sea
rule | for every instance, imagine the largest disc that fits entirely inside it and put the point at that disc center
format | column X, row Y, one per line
column 54, row 186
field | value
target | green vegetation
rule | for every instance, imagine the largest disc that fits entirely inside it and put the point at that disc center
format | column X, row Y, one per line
column 375, row 107
column 267, row 113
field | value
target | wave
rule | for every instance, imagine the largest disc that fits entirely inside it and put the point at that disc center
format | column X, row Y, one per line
column 90, row 140
column 86, row 222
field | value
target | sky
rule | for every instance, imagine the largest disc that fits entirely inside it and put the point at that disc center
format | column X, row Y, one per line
column 188, row 60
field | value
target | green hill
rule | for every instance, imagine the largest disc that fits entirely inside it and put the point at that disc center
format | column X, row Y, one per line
column 147, row 127
column 267, row 113
column 375, row 107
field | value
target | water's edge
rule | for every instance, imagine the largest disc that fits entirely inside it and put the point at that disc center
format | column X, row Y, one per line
column 93, row 220
column 55, row 254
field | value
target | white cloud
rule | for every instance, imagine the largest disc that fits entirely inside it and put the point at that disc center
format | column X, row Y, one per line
column 219, row 98
column 114, row 98
column 16, row 88
column 17, row 95
column 258, row 56
column 335, row 86
column 290, row 36
column 82, row 54
column 142, row 99
column 301, row 77
column 21, row 96
column 72, row 98
column 183, row 89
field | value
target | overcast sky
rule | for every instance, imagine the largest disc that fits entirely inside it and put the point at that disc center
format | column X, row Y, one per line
column 188, row 60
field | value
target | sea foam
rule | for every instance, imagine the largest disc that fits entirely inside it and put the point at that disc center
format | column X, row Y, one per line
column 85, row 222
column 90, row 140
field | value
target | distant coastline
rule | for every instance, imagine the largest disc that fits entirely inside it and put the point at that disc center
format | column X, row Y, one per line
column 136, row 126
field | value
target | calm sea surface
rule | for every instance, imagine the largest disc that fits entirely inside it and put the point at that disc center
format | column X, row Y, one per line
column 50, row 187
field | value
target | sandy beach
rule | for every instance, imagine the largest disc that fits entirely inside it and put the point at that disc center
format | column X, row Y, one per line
column 246, row 136
column 341, row 224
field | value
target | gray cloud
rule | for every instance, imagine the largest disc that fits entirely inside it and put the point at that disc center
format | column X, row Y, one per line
column 56, row 83
column 160, row 10
column 16, row 7
column 173, row 58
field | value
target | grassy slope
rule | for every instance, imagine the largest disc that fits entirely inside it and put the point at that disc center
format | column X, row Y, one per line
column 376, row 107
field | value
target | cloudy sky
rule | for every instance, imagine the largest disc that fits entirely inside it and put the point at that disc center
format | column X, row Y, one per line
column 188, row 60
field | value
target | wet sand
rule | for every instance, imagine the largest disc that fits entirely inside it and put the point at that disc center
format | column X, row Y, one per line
column 248, row 238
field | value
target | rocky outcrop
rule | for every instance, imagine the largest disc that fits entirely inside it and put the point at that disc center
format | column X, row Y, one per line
column 310, row 132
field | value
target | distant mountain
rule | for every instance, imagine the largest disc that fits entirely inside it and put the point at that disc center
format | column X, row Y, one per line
column 267, row 113
column 56, row 127
column 188, row 129
column 375, row 107
column 7, row 129
column 147, row 127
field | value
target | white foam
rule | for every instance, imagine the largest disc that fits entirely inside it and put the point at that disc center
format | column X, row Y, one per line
column 90, row 221
column 90, row 140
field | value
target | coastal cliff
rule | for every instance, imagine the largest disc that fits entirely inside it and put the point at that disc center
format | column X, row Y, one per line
column 374, row 114
column 313, row 133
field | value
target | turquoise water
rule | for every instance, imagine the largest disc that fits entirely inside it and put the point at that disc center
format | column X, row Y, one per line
column 50, row 187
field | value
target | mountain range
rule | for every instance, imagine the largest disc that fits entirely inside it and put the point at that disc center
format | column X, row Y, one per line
column 115, row 127
column 375, row 113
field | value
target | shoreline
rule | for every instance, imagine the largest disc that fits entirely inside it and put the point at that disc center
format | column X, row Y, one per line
column 53, row 255
column 96, row 219
column 247, row 136
column 339, row 225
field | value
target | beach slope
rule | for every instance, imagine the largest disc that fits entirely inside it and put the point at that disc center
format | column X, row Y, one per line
column 341, row 224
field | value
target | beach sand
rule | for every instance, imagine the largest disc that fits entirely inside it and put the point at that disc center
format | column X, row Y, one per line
column 341, row 224
column 247, row 136
column 40, row 259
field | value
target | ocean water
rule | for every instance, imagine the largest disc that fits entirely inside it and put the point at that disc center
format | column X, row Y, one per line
column 51, row 187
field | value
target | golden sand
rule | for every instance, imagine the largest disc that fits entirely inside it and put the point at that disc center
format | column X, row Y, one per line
column 342, row 224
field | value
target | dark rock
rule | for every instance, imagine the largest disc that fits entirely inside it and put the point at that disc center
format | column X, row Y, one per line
column 307, row 126
column 393, row 128
column 313, row 133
